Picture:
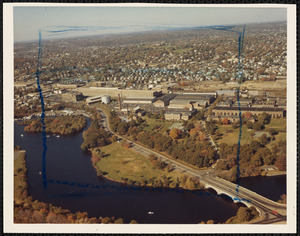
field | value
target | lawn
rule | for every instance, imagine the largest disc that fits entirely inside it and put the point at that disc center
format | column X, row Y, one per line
column 120, row 162
column 158, row 125
column 278, row 124
column 231, row 136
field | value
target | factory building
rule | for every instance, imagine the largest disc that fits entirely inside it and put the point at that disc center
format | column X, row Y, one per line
column 101, row 98
column 176, row 114
column 234, row 111
column 144, row 100
column 72, row 96
column 164, row 100
column 192, row 100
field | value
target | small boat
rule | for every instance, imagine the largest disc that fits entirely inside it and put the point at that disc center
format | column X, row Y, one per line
column 48, row 136
column 22, row 135
column 40, row 173
column 57, row 136
column 150, row 212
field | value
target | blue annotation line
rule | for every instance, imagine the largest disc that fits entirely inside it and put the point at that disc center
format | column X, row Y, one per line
column 240, row 74
column 44, row 137
column 133, row 187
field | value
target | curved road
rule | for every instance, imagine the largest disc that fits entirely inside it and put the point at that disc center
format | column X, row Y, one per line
column 270, row 212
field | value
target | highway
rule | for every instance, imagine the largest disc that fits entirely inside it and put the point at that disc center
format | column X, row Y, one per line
column 270, row 212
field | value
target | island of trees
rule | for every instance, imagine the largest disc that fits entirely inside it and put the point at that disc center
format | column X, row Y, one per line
column 59, row 125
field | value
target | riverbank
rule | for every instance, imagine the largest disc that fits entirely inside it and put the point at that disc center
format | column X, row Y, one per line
column 275, row 173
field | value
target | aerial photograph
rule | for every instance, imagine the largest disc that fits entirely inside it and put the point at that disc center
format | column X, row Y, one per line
column 150, row 115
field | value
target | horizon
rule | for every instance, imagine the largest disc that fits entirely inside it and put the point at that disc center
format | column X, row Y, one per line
column 148, row 31
column 75, row 22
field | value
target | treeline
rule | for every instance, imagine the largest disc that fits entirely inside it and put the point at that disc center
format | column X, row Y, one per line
column 59, row 125
column 244, row 214
column 95, row 136
column 26, row 210
column 176, row 143
column 251, row 158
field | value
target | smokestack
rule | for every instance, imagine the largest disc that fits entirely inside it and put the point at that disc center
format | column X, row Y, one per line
column 119, row 102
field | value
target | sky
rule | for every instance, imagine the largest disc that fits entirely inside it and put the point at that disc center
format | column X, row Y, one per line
column 63, row 22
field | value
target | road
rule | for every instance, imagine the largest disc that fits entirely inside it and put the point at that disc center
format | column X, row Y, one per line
column 270, row 212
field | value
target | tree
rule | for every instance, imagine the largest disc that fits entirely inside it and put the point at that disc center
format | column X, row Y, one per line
column 225, row 121
column 133, row 222
column 221, row 165
column 190, row 126
column 114, row 138
column 235, row 124
column 264, row 118
column 175, row 133
column 264, row 140
column 122, row 127
column 257, row 160
column 248, row 115
column 280, row 162
column 273, row 131
column 243, row 214
column 249, row 125
column 258, row 126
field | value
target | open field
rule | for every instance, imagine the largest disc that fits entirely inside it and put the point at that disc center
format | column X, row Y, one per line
column 120, row 163
column 158, row 125
column 230, row 136
column 278, row 124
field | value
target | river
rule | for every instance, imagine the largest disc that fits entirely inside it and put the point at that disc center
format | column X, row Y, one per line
column 66, row 164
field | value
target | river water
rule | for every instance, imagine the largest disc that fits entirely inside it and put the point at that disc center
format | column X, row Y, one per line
column 67, row 166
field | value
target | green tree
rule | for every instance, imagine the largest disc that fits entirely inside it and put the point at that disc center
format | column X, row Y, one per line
column 273, row 131
column 264, row 140
column 249, row 125
column 264, row 118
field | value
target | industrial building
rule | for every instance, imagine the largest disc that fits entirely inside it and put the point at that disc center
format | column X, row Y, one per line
column 176, row 114
column 144, row 100
column 72, row 96
column 164, row 100
column 101, row 98
column 124, row 93
column 192, row 100
column 234, row 111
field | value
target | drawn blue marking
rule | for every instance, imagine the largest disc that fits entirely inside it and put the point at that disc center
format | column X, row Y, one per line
column 240, row 73
column 44, row 136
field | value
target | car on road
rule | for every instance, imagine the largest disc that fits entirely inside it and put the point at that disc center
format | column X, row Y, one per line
column 275, row 212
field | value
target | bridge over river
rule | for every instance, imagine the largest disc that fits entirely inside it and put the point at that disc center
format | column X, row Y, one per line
column 270, row 212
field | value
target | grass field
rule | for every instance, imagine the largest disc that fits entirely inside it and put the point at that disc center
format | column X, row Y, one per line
column 153, row 123
column 278, row 124
column 230, row 135
column 120, row 163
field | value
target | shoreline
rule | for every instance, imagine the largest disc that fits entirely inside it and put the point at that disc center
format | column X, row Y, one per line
column 275, row 173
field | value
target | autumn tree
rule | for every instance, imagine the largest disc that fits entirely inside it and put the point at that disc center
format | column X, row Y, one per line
column 225, row 121
column 175, row 133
